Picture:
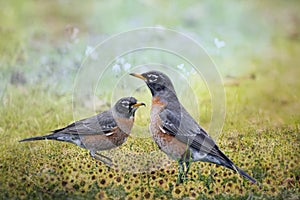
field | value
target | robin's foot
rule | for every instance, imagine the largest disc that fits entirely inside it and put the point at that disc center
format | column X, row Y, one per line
column 183, row 177
column 106, row 160
column 183, row 170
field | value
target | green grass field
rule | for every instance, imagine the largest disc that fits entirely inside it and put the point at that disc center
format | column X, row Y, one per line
column 259, row 65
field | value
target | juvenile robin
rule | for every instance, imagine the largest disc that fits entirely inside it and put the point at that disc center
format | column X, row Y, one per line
column 176, row 133
column 104, row 131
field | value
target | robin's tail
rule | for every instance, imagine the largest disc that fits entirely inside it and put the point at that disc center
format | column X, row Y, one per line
column 244, row 174
column 223, row 160
column 229, row 164
column 75, row 139
column 45, row 137
column 64, row 137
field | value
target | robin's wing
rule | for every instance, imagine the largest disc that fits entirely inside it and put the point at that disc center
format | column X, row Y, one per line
column 187, row 130
column 102, row 123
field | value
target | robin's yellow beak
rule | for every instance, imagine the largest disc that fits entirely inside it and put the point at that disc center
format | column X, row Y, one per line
column 138, row 104
column 138, row 76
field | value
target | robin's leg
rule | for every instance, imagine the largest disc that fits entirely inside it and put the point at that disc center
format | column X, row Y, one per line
column 180, row 176
column 187, row 166
column 106, row 160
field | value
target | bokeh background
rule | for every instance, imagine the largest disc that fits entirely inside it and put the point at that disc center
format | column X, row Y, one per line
column 253, row 44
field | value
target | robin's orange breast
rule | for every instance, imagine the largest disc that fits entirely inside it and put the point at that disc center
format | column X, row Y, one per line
column 124, row 124
column 166, row 142
column 99, row 142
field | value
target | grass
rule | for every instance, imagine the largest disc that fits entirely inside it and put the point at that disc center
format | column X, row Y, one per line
column 259, row 64
column 261, row 135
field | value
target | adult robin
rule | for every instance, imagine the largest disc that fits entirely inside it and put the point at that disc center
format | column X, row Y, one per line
column 176, row 133
column 104, row 131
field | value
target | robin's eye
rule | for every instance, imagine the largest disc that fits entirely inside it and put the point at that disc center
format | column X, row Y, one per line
column 158, row 87
column 131, row 104
column 125, row 104
column 152, row 78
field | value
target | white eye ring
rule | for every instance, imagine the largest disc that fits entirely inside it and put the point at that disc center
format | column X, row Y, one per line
column 152, row 77
column 125, row 104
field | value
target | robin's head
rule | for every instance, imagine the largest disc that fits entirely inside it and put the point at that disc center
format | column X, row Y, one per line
column 126, row 107
column 159, row 83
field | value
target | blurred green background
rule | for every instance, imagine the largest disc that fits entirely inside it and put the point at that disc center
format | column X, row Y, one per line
column 254, row 44
column 45, row 41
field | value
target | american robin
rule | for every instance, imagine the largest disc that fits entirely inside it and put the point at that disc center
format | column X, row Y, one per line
column 104, row 131
column 176, row 133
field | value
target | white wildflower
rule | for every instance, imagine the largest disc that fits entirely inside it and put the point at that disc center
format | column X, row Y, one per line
column 219, row 43
column 90, row 51
column 181, row 66
column 116, row 68
column 126, row 66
